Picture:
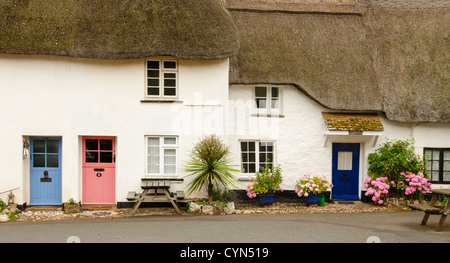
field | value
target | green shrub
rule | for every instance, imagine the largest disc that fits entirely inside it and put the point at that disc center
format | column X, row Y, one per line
column 394, row 158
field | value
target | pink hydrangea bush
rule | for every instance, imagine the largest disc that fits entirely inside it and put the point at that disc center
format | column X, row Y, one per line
column 411, row 186
column 414, row 186
column 377, row 188
column 308, row 184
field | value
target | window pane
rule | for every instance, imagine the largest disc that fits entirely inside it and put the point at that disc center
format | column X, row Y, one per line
column 106, row 157
column 275, row 104
column 435, row 154
column 153, row 73
column 153, row 64
column 153, row 164
column 446, row 165
column 92, row 157
column 169, row 169
column 447, row 155
column 251, row 146
column 39, row 146
column 345, row 160
column 428, row 166
column 170, row 75
column 260, row 103
column 38, row 160
column 435, row 176
column 170, row 141
column 244, row 146
column 261, row 92
column 152, row 150
column 275, row 92
column 52, row 160
column 170, row 83
column 52, row 146
column 244, row 157
column 270, row 146
column 428, row 154
column 245, row 168
column 170, row 92
column 169, row 156
column 170, row 65
column 251, row 168
column 91, row 144
column 446, row 176
column 153, row 82
column 262, row 146
column 153, row 141
column 153, row 91
column 153, row 169
column 434, row 165
column 106, row 145
column 262, row 158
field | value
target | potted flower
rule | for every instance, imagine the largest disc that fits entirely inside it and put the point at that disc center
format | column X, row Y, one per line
column 265, row 184
column 312, row 187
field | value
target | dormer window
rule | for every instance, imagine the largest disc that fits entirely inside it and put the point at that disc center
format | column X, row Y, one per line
column 162, row 79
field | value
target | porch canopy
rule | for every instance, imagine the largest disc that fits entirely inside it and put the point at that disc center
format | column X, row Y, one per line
column 361, row 124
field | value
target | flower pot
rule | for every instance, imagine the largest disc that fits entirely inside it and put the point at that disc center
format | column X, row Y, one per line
column 265, row 199
column 313, row 199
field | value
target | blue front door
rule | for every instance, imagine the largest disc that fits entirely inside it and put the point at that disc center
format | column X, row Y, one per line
column 345, row 171
column 45, row 171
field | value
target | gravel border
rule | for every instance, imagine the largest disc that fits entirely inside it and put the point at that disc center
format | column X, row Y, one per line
column 244, row 209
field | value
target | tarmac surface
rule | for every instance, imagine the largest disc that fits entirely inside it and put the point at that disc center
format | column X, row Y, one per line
column 383, row 227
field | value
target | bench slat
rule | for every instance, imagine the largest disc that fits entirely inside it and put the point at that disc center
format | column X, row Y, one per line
column 425, row 208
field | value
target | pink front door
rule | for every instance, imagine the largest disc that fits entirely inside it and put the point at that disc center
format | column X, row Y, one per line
column 99, row 170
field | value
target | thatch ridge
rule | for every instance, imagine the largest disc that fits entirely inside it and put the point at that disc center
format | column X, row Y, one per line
column 117, row 29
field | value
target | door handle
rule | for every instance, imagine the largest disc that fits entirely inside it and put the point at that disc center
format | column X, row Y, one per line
column 45, row 174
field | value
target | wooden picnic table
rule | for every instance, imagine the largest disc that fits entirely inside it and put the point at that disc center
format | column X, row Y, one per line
column 431, row 209
column 156, row 190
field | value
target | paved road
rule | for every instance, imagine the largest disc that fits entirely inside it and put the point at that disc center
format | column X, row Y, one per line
column 393, row 227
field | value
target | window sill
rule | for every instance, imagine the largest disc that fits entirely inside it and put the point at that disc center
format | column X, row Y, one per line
column 161, row 101
column 270, row 115
column 245, row 178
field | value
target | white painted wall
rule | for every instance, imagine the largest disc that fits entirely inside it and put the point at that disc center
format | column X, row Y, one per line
column 71, row 97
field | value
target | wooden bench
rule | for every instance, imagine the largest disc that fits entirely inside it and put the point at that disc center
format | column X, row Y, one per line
column 155, row 190
column 432, row 210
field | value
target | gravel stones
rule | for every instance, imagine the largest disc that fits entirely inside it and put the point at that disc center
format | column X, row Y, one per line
column 236, row 209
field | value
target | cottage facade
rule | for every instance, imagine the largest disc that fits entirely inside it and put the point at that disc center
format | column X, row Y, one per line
column 87, row 121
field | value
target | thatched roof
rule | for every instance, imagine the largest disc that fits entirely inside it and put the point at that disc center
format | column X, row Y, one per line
column 388, row 56
column 117, row 29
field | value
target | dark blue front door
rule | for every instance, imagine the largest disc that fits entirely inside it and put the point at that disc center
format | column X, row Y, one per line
column 45, row 171
column 345, row 172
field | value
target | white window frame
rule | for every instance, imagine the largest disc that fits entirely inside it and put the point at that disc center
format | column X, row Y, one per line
column 268, row 110
column 257, row 152
column 162, row 146
column 162, row 70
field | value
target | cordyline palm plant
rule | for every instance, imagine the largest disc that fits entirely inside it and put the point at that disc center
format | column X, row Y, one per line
column 210, row 165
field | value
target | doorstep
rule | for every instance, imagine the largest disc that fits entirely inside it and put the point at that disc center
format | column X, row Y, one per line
column 98, row 207
column 44, row 208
